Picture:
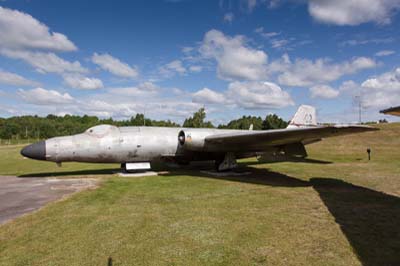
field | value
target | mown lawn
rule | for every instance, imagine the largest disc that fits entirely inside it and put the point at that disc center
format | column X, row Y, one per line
column 336, row 209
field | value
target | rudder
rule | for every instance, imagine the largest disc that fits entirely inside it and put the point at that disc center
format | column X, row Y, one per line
column 304, row 117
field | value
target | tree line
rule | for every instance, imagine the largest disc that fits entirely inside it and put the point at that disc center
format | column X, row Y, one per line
column 35, row 127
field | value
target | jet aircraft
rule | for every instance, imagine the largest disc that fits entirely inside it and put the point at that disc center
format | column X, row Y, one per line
column 135, row 148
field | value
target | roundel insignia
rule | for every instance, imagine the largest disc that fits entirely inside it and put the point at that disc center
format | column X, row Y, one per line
column 308, row 118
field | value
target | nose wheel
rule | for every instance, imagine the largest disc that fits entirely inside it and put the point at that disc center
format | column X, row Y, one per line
column 123, row 167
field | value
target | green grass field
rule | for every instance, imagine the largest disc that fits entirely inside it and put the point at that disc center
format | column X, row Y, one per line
column 337, row 208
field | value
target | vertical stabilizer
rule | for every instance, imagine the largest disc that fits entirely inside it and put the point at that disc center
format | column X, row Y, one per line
column 304, row 117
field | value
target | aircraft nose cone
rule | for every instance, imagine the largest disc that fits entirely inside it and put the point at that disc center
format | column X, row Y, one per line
column 35, row 151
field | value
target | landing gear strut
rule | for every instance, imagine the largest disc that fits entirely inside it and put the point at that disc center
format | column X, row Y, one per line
column 229, row 162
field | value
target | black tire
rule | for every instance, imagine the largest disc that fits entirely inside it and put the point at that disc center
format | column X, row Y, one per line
column 123, row 167
column 217, row 163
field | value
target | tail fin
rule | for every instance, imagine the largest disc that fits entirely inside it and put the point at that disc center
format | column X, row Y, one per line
column 304, row 117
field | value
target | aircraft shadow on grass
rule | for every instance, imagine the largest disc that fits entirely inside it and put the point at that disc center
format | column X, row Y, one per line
column 106, row 171
column 369, row 219
column 291, row 160
column 248, row 175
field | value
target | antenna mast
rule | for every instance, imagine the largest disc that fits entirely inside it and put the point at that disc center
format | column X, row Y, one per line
column 144, row 116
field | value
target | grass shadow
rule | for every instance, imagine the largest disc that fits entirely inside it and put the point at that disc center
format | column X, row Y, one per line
column 107, row 171
column 291, row 159
column 369, row 219
column 244, row 174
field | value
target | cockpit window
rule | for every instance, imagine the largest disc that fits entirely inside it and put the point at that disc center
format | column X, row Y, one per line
column 101, row 130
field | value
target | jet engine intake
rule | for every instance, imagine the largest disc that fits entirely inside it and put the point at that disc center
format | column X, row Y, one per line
column 192, row 140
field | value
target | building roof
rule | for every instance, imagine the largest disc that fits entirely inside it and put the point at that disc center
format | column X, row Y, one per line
column 392, row 111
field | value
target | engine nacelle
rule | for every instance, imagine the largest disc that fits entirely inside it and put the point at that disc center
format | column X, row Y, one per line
column 193, row 140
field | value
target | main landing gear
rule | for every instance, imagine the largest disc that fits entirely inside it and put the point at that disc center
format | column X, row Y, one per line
column 227, row 163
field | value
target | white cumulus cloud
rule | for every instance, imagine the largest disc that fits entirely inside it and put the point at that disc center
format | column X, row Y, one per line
column 258, row 95
column 40, row 96
column 382, row 91
column 206, row 95
column 115, row 66
column 46, row 62
column 323, row 91
column 349, row 86
column 148, row 86
column 107, row 109
column 19, row 30
column 279, row 43
column 81, row 82
column 357, row 42
column 346, row 12
column 228, row 17
column 195, row 69
column 353, row 12
column 15, row 79
column 143, row 89
column 385, row 53
column 175, row 66
column 304, row 72
column 266, row 35
column 235, row 60
column 250, row 4
column 247, row 95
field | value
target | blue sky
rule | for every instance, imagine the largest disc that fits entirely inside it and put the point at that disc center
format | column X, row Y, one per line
column 169, row 58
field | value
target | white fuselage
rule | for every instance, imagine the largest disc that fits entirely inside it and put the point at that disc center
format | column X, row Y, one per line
column 110, row 144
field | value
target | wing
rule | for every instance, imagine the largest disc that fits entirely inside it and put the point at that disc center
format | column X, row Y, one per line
column 261, row 140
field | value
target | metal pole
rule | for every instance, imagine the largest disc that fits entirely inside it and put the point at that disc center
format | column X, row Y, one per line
column 144, row 117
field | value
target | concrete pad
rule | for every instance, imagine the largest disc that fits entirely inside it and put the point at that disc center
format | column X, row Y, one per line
column 19, row 196
column 138, row 174
column 227, row 173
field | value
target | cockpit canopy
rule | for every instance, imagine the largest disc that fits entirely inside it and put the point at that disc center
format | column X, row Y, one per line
column 102, row 130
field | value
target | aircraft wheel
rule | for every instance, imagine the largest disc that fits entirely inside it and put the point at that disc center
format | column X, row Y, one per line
column 123, row 167
column 217, row 164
